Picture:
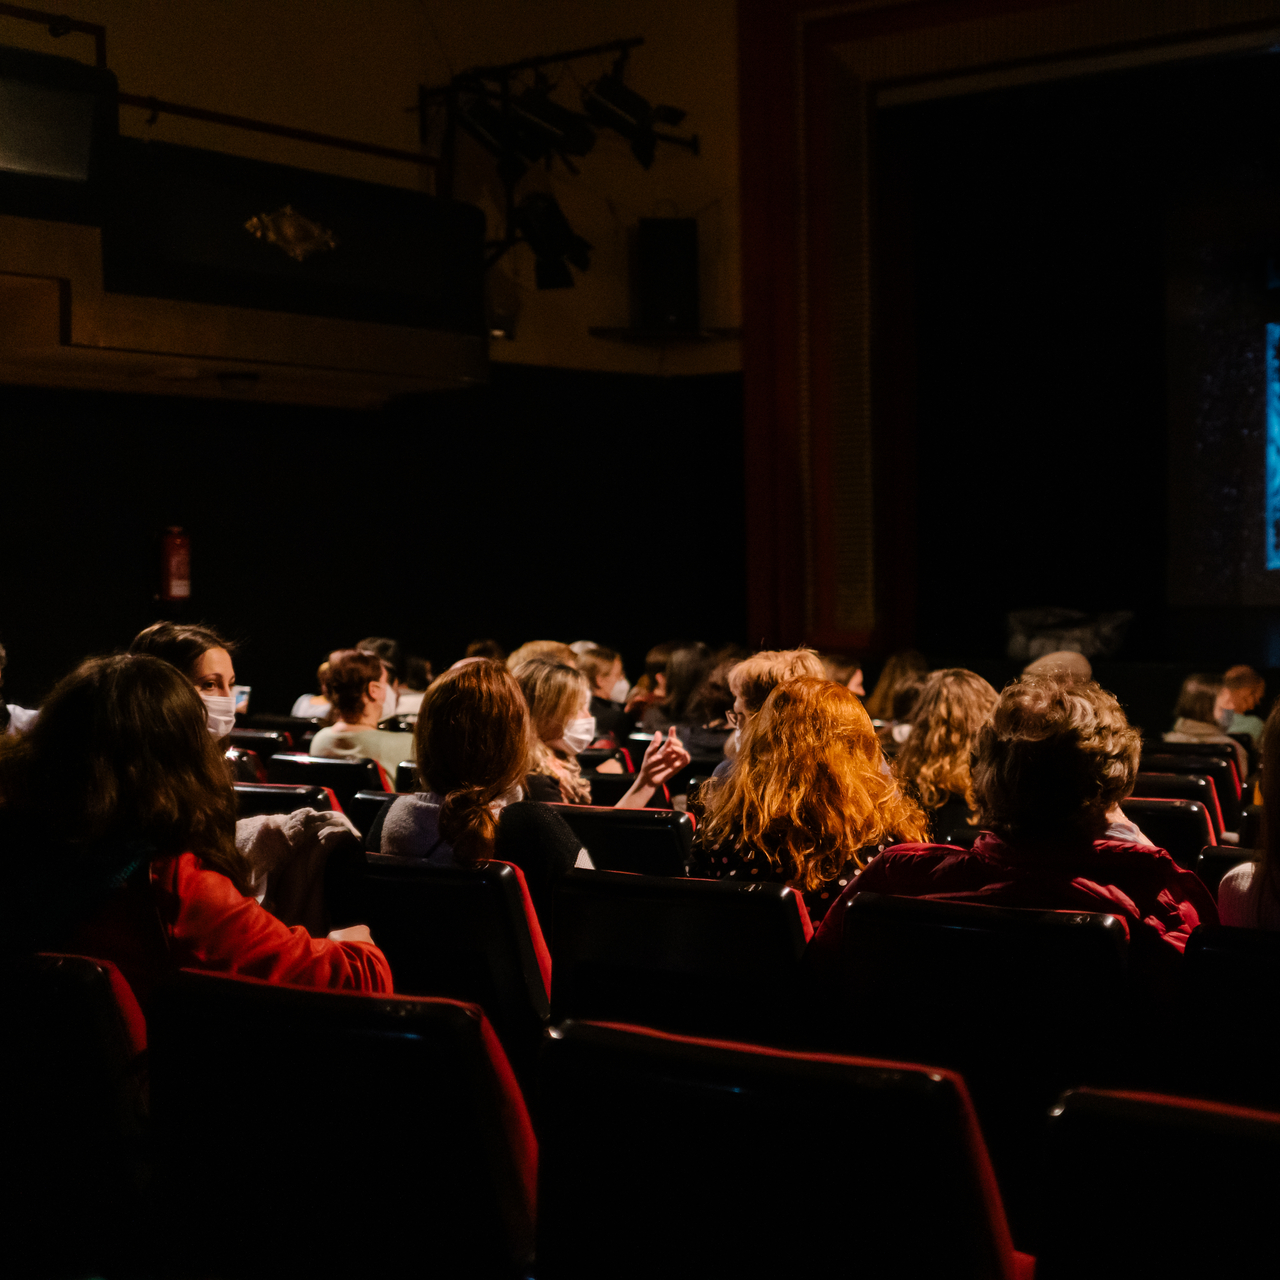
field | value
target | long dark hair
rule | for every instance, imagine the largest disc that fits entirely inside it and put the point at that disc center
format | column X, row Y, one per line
column 119, row 769
column 182, row 644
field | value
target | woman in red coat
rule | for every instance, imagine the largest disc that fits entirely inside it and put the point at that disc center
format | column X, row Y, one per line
column 117, row 824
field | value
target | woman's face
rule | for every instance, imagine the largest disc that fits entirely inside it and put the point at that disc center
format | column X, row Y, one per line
column 214, row 675
column 606, row 681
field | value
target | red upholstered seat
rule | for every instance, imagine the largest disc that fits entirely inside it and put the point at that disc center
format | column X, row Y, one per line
column 344, row 777
column 667, row 1155
column 305, row 1132
column 1180, row 827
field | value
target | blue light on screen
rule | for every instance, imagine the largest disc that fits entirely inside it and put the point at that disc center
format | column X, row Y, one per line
column 1273, row 446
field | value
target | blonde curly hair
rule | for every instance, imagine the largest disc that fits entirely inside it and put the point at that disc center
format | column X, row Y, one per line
column 1055, row 757
column 933, row 764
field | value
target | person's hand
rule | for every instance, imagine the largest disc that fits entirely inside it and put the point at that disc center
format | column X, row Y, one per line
column 662, row 758
column 352, row 933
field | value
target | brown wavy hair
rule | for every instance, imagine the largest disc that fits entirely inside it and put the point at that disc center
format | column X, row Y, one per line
column 808, row 790
column 122, row 753
column 470, row 745
column 933, row 764
column 1056, row 755
column 351, row 672
column 554, row 691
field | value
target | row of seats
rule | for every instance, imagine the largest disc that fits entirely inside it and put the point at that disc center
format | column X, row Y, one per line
column 303, row 1132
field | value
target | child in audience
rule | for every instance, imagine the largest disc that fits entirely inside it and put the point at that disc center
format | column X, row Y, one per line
column 204, row 658
column 559, row 700
column 121, row 807
column 471, row 746
column 933, row 764
column 1196, row 717
column 1249, row 895
column 1050, row 770
column 807, row 801
column 359, row 684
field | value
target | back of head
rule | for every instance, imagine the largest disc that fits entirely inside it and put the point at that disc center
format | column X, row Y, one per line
column 417, row 673
column 755, row 678
column 350, row 673
column 1245, row 687
column 180, row 644
column 808, row 789
column 121, row 756
column 1065, row 663
column 899, row 669
column 486, row 649
column 386, row 649
column 686, row 669
column 540, row 649
column 951, row 708
column 471, row 743
column 1198, row 697
column 655, row 661
column 553, row 691
column 1055, row 757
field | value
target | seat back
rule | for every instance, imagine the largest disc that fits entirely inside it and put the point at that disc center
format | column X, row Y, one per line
column 406, row 776
column 668, row 1156
column 254, row 798
column 593, row 757
column 1215, row 861
column 343, row 777
column 1230, row 977
column 609, row 788
column 1180, row 827
column 365, row 807
column 266, row 742
column 466, row 933
column 245, row 765
column 1181, row 786
column 1222, row 769
column 1112, row 1211
column 329, row 1133
column 650, row 842
column 706, row 957
column 73, row 1122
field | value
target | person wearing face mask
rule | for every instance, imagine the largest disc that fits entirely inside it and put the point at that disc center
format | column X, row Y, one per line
column 359, row 686
column 559, row 699
column 609, row 689
column 204, row 657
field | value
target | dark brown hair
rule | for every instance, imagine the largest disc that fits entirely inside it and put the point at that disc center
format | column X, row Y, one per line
column 1055, row 756
column 899, row 669
column 1198, row 697
column 180, row 644
column 471, row 743
column 350, row 673
column 595, row 663
column 122, row 753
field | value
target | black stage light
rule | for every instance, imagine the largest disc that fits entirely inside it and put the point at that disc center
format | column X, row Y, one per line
column 546, row 127
column 542, row 225
column 612, row 105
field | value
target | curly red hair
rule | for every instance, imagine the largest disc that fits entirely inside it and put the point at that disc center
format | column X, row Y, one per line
column 808, row 789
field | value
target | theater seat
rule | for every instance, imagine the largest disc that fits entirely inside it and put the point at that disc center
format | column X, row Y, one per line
column 700, row 956
column 1181, row 786
column 253, row 798
column 266, row 742
column 470, row 934
column 669, row 1156
column 1215, row 861
column 406, row 776
column 245, row 765
column 1168, row 759
column 74, row 1116
column 609, row 788
column 593, row 757
column 1144, row 1185
column 651, row 842
column 1180, row 827
column 321, row 1133
column 343, row 777
column 365, row 807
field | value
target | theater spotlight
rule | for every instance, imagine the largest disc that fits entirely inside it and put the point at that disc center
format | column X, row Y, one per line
column 541, row 223
column 546, row 128
column 612, row 105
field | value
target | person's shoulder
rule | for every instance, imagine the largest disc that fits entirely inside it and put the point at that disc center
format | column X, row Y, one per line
column 1235, row 894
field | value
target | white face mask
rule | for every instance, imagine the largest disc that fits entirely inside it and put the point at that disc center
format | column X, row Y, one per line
column 620, row 690
column 580, row 734
column 221, row 713
column 389, row 702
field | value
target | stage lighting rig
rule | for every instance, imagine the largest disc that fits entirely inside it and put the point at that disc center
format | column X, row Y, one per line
column 519, row 122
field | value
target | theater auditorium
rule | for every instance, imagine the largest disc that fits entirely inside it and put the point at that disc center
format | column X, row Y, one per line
column 640, row 640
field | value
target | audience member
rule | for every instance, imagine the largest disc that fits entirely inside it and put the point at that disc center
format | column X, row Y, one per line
column 540, row 649
column 899, row 669
column 1242, row 690
column 12, row 719
column 686, row 668
column 706, row 731
column 315, row 706
column 1064, row 663
column 471, row 745
column 1249, row 895
column 1050, row 770
column 559, row 699
column 1195, row 718
column 609, row 688
column 807, row 802
column 358, row 685
column 392, row 657
column 933, row 764
column 204, row 658
column 752, row 680
column 417, row 679
column 845, row 669
column 894, row 731
column 122, row 807
column 652, row 685
column 486, row 649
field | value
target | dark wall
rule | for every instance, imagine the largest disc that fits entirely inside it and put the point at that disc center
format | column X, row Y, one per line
column 1035, row 259
column 550, row 503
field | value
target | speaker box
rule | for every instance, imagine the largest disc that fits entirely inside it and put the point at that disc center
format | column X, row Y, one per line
column 666, row 275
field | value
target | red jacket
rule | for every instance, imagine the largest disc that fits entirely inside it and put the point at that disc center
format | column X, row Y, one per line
column 1157, row 900
column 183, row 915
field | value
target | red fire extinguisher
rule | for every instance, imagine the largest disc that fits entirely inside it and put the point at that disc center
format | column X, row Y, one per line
column 175, row 565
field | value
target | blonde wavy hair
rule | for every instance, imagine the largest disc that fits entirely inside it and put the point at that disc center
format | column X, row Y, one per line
column 755, row 678
column 808, row 790
column 1054, row 758
column 933, row 764
column 554, row 691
